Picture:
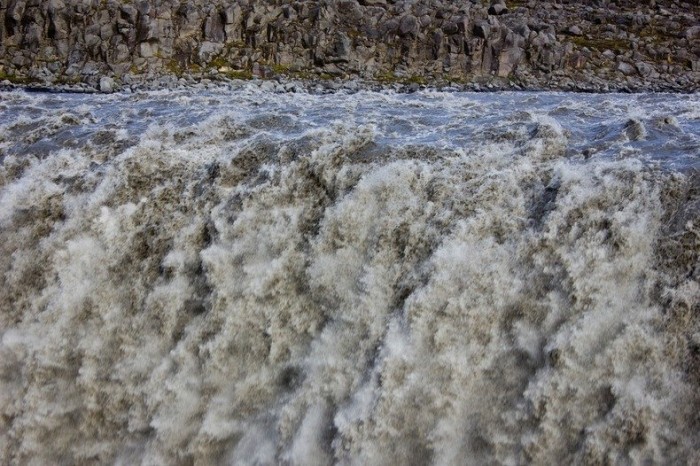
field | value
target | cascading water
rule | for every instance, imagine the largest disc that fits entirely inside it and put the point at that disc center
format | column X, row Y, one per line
column 241, row 277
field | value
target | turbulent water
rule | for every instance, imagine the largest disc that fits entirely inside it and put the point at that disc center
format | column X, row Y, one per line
column 242, row 277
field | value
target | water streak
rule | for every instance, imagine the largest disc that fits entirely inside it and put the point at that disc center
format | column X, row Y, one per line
column 251, row 278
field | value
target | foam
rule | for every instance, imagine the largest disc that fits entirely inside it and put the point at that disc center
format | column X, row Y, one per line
column 216, row 293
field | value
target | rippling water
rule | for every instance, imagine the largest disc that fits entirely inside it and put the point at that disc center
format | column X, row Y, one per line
column 242, row 277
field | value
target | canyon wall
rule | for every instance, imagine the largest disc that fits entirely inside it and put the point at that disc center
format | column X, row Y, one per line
column 593, row 45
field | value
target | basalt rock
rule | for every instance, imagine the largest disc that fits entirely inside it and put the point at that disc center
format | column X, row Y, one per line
column 480, row 41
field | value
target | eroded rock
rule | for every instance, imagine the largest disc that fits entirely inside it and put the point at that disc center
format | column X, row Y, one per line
column 475, row 40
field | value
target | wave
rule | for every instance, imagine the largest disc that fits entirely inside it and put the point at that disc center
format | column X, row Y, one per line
column 268, row 289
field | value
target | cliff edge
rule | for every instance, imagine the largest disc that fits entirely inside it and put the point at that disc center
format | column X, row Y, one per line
column 596, row 45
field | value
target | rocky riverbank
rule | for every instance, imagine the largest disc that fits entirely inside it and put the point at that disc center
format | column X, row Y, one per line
column 602, row 45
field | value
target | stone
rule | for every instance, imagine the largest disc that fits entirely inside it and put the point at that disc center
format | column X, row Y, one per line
column 148, row 49
column 267, row 86
column 214, row 27
column 107, row 85
column 121, row 53
column 575, row 31
column 342, row 46
column 693, row 33
column 128, row 13
column 107, row 31
column 92, row 40
column 508, row 61
column 408, row 26
column 19, row 61
column 209, row 50
column 635, row 130
column 644, row 69
column 498, row 7
column 450, row 28
column 482, row 29
column 609, row 54
column 626, row 69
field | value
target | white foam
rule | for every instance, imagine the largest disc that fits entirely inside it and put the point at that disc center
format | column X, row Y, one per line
column 215, row 294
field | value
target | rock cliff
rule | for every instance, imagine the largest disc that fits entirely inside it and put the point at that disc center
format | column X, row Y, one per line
column 592, row 45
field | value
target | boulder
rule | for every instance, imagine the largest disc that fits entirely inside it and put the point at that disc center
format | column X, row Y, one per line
column 408, row 26
column 644, row 69
column 693, row 33
column 498, row 7
column 209, row 50
column 214, row 27
column 107, row 85
column 626, row 69
column 128, row 13
column 575, row 31
column 482, row 29
column 450, row 28
column 148, row 49
column 508, row 60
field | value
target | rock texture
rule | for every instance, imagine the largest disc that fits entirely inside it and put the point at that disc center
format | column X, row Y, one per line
column 592, row 45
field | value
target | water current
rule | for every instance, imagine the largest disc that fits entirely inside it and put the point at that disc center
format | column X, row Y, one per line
column 232, row 276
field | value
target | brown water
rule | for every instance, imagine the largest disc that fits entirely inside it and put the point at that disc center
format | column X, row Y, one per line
column 248, row 278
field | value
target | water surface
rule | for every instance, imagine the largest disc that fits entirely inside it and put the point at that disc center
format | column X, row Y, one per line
column 243, row 277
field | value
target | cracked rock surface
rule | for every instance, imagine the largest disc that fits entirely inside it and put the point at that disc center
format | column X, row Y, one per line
column 596, row 46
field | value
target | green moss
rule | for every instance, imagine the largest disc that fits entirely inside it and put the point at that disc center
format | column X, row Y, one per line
column 238, row 74
column 389, row 77
column 280, row 69
column 654, row 34
column 601, row 44
column 65, row 80
column 458, row 79
column 219, row 62
column 14, row 79
column 386, row 77
column 416, row 80
column 302, row 75
column 173, row 67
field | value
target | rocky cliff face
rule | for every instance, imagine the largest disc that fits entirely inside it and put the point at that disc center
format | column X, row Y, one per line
column 592, row 45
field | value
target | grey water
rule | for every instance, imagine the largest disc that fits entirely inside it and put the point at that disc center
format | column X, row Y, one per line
column 234, row 276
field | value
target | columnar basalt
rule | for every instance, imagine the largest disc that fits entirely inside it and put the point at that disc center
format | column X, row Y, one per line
column 553, row 43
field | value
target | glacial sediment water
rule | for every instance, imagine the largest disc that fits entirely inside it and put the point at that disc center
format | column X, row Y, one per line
column 242, row 277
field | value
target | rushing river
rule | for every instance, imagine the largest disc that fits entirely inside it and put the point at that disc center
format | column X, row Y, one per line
column 243, row 277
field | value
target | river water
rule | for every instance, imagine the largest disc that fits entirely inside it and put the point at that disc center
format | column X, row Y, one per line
column 241, row 277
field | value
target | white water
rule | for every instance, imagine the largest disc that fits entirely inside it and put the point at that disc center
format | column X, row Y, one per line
column 250, row 278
